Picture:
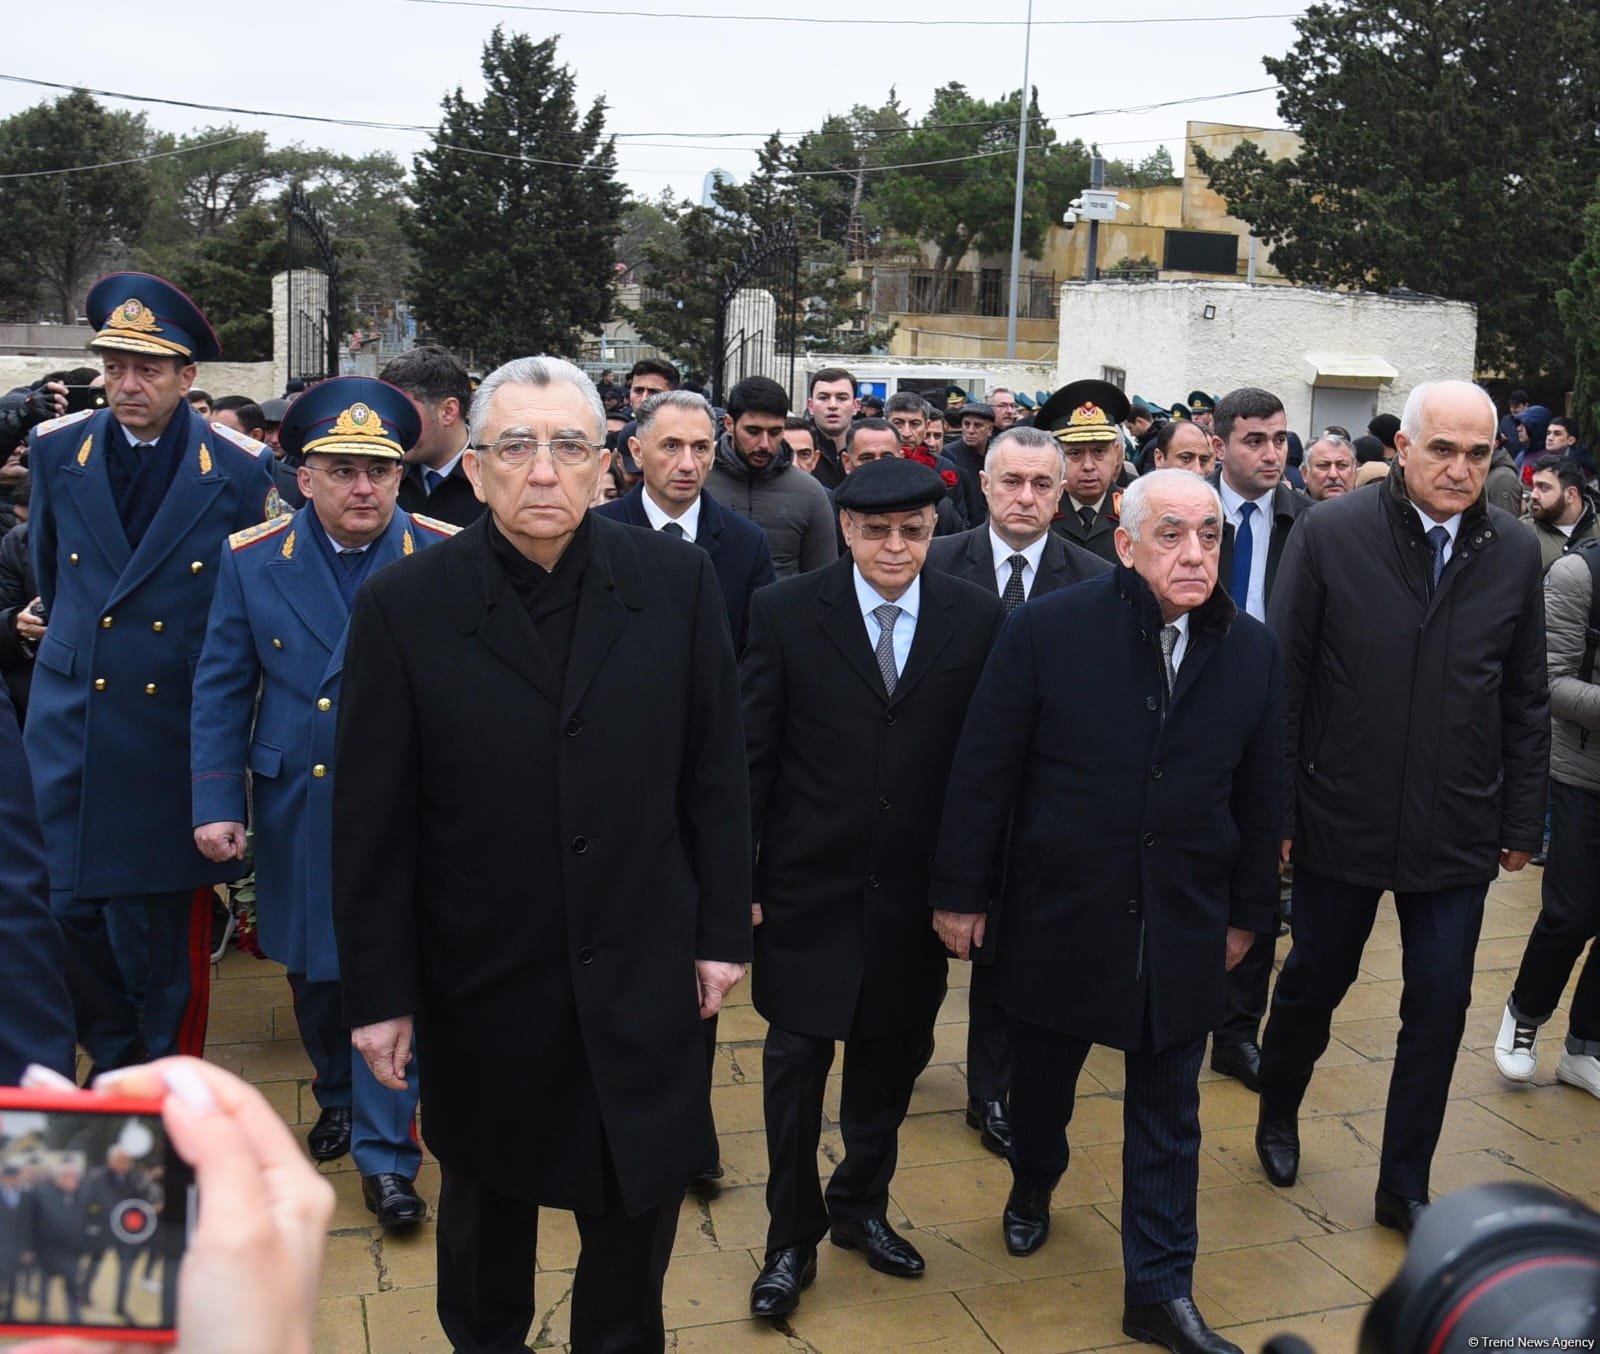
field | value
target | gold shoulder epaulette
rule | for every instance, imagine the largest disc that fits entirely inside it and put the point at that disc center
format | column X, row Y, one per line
column 51, row 425
column 259, row 532
column 434, row 525
column 239, row 440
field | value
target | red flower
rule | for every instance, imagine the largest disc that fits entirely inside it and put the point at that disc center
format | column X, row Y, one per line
column 949, row 477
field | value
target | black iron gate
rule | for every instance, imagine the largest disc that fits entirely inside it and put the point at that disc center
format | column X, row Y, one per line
column 313, row 319
column 759, row 314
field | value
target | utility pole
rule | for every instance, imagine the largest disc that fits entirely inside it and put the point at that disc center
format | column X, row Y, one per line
column 1016, row 208
column 1097, row 179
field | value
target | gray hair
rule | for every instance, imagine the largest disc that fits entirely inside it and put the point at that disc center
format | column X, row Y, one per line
column 1023, row 439
column 674, row 399
column 1333, row 439
column 1135, row 507
column 1411, row 418
column 533, row 371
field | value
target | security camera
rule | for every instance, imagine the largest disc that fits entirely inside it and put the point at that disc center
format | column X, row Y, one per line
column 1069, row 218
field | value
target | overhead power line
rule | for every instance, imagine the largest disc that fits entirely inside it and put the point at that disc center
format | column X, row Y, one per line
column 590, row 10
column 117, row 164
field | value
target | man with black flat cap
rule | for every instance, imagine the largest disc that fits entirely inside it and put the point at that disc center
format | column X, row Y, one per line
column 131, row 505
column 1084, row 417
column 965, row 454
column 278, row 622
column 855, row 679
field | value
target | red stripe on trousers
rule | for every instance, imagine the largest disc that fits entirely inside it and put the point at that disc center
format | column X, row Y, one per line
column 192, row 1029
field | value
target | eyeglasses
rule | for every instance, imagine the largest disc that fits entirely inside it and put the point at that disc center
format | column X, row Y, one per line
column 912, row 533
column 380, row 472
column 518, row 450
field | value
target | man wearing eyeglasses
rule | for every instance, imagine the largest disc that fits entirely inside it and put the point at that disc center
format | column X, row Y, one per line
column 278, row 622
column 855, row 680
column 554, row 959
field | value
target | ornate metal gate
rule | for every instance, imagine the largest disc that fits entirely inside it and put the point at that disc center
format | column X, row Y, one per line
column 313, row 319
column 759, row 313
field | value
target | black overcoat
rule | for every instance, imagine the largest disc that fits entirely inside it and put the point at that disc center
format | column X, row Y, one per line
column 531, row 867
column 1143, row 828
column 1417, row 719
column 846, row 783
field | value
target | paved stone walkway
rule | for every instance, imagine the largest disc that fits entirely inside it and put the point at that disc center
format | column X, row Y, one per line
column 1305, row 1260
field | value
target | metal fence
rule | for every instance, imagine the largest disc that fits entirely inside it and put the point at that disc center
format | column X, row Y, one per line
column 985, row 291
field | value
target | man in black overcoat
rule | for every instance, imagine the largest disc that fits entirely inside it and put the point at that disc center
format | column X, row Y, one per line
column 1417, row 733
column 1016, row 556
column 1167, row 808
column 855, row 680
column 553, row 958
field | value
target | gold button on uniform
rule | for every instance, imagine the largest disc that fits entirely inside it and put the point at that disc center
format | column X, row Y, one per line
column 158, row 626
column 150, row 690
column 277, row 643
column 319, row 771
column 72, row 559
column 99, row 683
column 324, row 705
column 105, row 622
column 196, row 567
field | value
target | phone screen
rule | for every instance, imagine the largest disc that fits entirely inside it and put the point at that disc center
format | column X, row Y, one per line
column 95, row 1210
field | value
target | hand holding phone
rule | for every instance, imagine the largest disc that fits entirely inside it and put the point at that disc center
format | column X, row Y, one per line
column 248, row 1281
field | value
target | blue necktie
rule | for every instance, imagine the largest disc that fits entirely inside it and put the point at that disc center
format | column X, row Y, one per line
column 431, row 480
column 1439, row 539
column 1243, row 548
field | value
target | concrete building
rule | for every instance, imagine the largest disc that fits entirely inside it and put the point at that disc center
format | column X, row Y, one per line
column 1332, row 357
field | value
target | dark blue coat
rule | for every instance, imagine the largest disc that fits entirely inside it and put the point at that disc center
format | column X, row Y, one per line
column 108, row 715
column 35, row 1012
column 278, row 622
column 1136, row 837
column 737, row 546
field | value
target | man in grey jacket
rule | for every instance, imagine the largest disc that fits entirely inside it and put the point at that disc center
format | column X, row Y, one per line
column 755, row 476
column 1570, row 915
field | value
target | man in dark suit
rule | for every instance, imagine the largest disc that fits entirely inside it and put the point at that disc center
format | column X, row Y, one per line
column 675, row 453
column 1085, row 416
column 1417, row 734
column 1165, row 805
column 964, row 454
column 855, row 679
column 1251, row 436
column 35, row 1012
column 436, row 482
column 1016, row 556
column 17, row 1209
column 553, row 960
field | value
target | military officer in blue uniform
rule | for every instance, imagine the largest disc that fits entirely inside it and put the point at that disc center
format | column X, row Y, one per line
column 130, row 506
column 284, row 592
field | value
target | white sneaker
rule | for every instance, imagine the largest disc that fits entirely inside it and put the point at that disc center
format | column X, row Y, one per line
column 1581, row 1070
column 1513, row 1049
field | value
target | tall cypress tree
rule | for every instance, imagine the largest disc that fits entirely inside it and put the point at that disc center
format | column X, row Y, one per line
column 1450, row 146
column 517, row 209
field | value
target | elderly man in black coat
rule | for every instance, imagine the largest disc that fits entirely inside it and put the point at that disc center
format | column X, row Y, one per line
column 1168, row 807
column 1417, row 732
column 855, row 680
column 555, row 960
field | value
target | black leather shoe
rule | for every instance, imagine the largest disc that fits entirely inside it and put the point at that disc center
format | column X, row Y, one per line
column 776, row 1291
column 710, row 1180
column 994, row 1127
column 1026, row 1221
column 1278, row 1146
column 330, row 1136
column 394, row 1199
column 1242, row 1062
column 1395, row 1210
column 887, row 1251
column 1178, row 1325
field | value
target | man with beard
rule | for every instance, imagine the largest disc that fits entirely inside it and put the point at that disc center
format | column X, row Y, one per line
column 754, row 475
column 1560, row 514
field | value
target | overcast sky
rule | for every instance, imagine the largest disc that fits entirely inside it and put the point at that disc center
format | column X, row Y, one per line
column 391, row 61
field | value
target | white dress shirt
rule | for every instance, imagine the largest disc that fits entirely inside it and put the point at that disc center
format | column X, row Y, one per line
column 689, row 519
column 1452, row 526
column 1260, row 543
column 905, row 624
column 1002, row 563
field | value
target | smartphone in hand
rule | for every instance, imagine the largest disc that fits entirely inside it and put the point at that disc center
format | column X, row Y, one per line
column 95, row 1212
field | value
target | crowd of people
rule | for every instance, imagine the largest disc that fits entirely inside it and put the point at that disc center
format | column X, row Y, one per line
column 1099, row 696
